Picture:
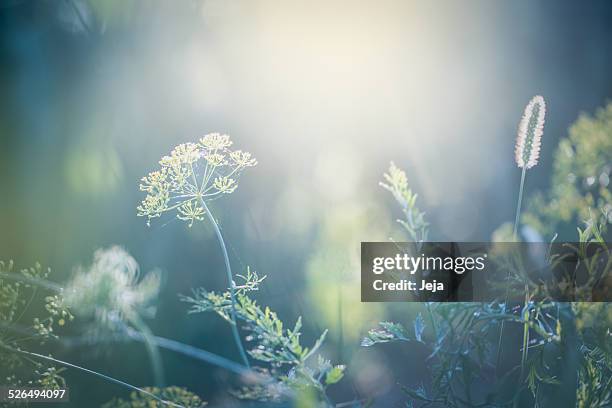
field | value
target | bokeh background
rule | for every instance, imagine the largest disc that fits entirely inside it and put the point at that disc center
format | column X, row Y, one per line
column 324, row 94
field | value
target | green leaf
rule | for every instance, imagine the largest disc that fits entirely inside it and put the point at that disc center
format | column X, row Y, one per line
column 388, row 331
column 334, row 375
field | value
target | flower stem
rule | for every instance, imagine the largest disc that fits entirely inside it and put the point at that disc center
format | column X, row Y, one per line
column 526, row 307
column 514, row 237
column 518, row 204
column 230, row 278
column 198, row 354
column 152, row 349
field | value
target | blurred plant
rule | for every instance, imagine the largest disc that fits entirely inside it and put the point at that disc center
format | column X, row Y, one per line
column 18, row 292
column 593, row 321
column 192, row 175
column 397, row 183
column 112, row 276
column 595, row 383
column 139, row 399
column 110, row 291
column 289, row 363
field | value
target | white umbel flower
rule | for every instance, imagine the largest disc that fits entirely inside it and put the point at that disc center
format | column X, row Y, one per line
column 530, row 130
column 111, row 289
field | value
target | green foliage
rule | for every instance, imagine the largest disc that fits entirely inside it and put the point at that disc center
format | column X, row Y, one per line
column 177, row 395
column 288, row 362
column 19, row 291
column 594, row 381
column 580, row 186
column 460, row 350
column 593, row 323
column 50, row 378
column 192, row 174
column 334, row 375
column 593, row 264
column 387, row 332
column 534, row 379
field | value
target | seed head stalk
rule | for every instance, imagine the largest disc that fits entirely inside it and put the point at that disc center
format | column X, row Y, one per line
column 518, row 205
column 230, row 277
column 527, row 153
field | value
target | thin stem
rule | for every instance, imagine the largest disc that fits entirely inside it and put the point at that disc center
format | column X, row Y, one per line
column 499, row 343
column 198, row 354
column 514, row 237
column 152, row 349
column 135, row 335
column 525, row 332
column 518, row 204
column 526, row 306
column 104, row 376
column 230, row 278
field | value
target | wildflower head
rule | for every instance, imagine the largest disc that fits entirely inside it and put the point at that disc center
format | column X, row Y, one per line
column 110, row 288
column 396, row 182
column 530, row 130
column 192, row 174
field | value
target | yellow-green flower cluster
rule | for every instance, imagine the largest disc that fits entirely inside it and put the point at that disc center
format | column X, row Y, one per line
column 192, row 174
